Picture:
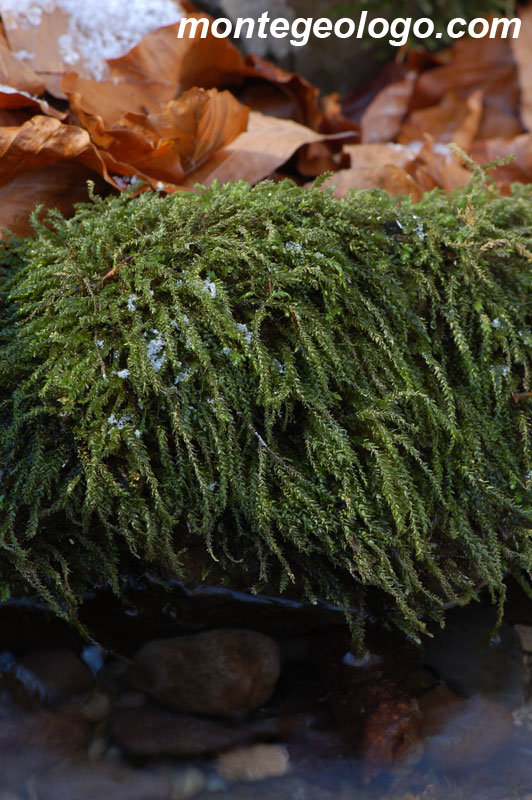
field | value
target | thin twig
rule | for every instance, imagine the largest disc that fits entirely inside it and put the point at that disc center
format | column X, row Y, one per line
column 517, row 396
column 116, row 269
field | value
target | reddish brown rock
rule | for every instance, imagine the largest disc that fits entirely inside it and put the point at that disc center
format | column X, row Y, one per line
column 59, row 673
column 220, row 672
column 372, row 702
column 461, row 732
column 157, row 732
column 32, row 744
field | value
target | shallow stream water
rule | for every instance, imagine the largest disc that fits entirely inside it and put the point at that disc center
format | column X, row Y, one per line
column 453, row 720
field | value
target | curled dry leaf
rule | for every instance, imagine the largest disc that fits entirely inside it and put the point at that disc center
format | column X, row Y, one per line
column 468, row 65
column 58, row 185
column 43, row 140
column 302, row 94
column 39, row 141
column 254, row 155
column 163, row 145
column 167, row 66
column 401, row 169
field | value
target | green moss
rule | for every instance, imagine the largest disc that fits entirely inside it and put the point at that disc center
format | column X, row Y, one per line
column 307, row 389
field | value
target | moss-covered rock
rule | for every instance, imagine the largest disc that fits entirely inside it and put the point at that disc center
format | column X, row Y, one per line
column 310, row 390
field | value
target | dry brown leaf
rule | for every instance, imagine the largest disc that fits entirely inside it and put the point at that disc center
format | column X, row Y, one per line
column 20, row 85
column 334, row 118
column 302, row 94
column 468, row 65
column 400, row 169
column 436, row 166
column 171, row 65
column 453, row 120
column 325, row 156
column 199, row 123
column 374, row 155
column 390, row 177
column 382, row 119
column 54, row 186
column 216, row 63
column 39, row 141
column 43, row 42
column 473, row 64
column 44, row 140
column 520, row 169
column 164, row 145
column 377, row 165
column 522, row 48
column 108, row 100
column 266, row 145
column 17, row 74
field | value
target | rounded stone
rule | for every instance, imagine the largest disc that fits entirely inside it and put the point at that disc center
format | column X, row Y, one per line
column 220, row 672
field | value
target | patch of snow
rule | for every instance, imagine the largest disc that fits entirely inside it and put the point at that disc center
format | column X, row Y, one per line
column 98, row 29
column 182, row 376
column 119, row 422
column 24, row 55
column 210, row 287
column 155, row 350
column 247, row 333
column 442, row 149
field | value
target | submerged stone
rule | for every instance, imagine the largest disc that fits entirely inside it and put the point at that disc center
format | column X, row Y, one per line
column 474, row 658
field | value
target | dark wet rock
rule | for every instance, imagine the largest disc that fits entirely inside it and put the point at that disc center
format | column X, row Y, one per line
column 157, row 732
column 168, row 608
column 112, row 676
column 59, row 673
column 93, row 707
column 219, row 672
column 472, row 663
column 460, row 732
